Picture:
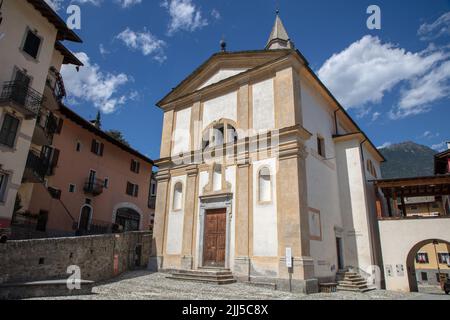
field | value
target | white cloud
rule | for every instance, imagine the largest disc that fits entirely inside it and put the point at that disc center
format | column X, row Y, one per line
column 103, row 50
column 439, row 146
column 365, row 71
column 429, row 135
column 94, row 2
column 128, row 3
column 145, row 42
column 375, row 116
column 55, row 4
column 184, row 15
column 216, row 14
column 92, row 85
column 384, row 145
column 438, row 28
column 434, row 86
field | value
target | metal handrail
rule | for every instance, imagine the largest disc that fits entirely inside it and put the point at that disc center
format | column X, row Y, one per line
column 23, row 95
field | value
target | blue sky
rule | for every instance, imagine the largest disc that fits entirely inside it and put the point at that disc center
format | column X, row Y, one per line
column 395, row 82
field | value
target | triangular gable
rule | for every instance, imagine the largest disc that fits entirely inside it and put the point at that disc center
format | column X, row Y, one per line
column 219, row 67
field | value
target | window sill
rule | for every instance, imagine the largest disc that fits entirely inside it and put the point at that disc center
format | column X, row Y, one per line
column 28, row 56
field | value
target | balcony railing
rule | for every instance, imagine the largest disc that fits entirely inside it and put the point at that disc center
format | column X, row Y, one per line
column 94, row 187
column 56, row 83
column 27, row 99
column 36, row 166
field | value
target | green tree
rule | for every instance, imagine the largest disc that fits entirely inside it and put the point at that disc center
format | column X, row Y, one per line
column 116, row 134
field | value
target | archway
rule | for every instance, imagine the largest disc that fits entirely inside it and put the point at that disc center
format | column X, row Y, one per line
column 128, row 218
column 428, row 262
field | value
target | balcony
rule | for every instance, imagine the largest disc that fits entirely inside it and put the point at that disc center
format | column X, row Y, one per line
column 46, row 127
column 36, row 168
column 94, row 187
column 54, row 90
column 22, row 98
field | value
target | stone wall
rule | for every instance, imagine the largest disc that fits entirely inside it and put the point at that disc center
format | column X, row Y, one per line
column 99, row 257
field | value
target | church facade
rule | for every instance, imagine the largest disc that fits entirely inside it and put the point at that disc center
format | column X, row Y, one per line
column 262, row 172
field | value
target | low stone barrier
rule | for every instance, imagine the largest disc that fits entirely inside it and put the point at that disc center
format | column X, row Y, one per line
column 98, row 257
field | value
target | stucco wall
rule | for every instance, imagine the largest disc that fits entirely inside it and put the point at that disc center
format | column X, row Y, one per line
column 265, row 235
column 322, row 180
column 398, row 237
column 220, row 75
column 263, row 106
column 176, row 218
column 182, row 135
column 223, row 107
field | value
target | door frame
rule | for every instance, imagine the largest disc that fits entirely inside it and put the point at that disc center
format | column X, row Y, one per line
column 223, row 201
column 221, row 212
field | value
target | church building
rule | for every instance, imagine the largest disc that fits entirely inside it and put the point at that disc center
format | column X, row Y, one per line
column 262, row 173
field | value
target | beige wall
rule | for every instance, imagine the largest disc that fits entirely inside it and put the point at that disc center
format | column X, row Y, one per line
column 17, row 17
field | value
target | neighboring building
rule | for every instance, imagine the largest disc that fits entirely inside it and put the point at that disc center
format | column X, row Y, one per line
column 97, row 183
column 423, row 207
column 442, row 166
column 259, row 159
column 427, row 260
column 152, row 199
column 31, row 55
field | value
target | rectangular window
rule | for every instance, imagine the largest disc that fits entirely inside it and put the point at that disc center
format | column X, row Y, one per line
column 153, row 189
column 135, row 166
column 444, row 258
column 3, row 183
column 106, row 183
column 78, row 148
column 71, row 188
column 97, row 147
column 422, row 257
column 9, row 130
column 32, row 44
column 132, row 189
column 424, row 276
column 321, row 146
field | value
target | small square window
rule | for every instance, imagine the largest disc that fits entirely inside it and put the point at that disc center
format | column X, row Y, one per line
column 32, row 44
column 78, row 148
column 106, row 183
column 135, row 166
column 71, row 188
column 424, row 276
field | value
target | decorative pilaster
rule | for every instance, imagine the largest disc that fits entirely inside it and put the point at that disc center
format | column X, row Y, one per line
column 187, row 260
column 159, row 235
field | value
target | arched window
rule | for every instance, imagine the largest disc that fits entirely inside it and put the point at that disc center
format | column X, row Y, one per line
column 178, row 196
column 265, row 185
column 219, row 133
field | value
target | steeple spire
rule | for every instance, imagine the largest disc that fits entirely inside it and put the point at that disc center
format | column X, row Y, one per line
column 279, row 38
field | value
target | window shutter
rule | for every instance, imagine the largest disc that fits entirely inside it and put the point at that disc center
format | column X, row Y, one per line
column 138, row 167
column 129, row 189
column 55, row 157
column 60, row 125
column 102, row 147
column 94, row 143
column 136, row 190
column 132, row 165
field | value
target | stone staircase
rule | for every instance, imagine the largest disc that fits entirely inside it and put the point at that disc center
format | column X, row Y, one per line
column 352, row 281
column 213, row 276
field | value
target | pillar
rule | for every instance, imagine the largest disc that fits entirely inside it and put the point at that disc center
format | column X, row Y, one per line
column 159, row 234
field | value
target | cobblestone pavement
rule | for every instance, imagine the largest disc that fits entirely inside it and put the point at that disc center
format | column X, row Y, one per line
column 142, row 285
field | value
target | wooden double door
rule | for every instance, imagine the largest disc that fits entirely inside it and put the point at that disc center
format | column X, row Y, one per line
column 214, row 245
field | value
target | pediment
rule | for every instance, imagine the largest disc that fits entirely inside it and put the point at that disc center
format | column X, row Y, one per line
column 219, row 67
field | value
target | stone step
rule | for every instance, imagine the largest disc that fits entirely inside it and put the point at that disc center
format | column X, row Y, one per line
column 362, row 290
column 266, row 285
column 203, row 280
column 204, row 272
column 203, row 276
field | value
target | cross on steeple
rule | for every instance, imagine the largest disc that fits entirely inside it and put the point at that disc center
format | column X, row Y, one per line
column 279, row 38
